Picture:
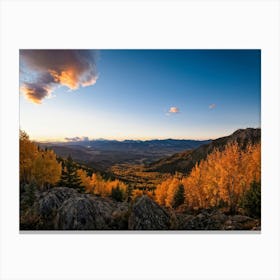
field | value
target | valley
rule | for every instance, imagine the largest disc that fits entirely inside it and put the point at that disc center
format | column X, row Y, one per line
column 130, row 188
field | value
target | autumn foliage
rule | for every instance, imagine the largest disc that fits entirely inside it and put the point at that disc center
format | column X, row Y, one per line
column 95, row 184
column 226, row 178
column 37, row 166
column 221, row 179
column 42, row 169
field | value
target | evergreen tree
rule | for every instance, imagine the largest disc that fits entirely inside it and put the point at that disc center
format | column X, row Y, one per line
column 252, row 200
column 179, row 196
column 117, row 194
column 29, row 197
column 69, row 176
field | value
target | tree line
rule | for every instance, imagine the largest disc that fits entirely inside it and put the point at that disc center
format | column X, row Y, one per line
column 41, row 169
column 226, row 178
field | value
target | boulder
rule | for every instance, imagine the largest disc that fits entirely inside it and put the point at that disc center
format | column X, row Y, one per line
column 120, row 216
column 204, row 221
column 147, row 215
column 239, row 222
column 84, row 212
column 51, row 200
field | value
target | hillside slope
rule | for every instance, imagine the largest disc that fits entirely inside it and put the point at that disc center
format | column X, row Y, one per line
column 185, row 161
column 102, row 154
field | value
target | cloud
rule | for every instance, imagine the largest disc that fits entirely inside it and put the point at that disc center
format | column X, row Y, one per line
column 41, row 71
column 173, row 110
column 212, row 106
column 35, row 93
column 76, row 139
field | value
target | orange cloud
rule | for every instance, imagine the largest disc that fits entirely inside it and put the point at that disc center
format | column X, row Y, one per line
column 33, row 94
column 174, row 110
column 66, row 78
column 47, row 69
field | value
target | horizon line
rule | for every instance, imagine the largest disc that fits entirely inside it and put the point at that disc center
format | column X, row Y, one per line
column 85, row 138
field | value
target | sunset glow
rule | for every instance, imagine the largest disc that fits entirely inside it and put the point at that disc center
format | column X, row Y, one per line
column 138, row 94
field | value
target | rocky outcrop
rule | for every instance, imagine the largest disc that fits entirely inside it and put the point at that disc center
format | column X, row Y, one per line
column 147, row 215
column 51, row 200
column 238, row 222
column 66, row 209
column 84, row 213
column 216, row 220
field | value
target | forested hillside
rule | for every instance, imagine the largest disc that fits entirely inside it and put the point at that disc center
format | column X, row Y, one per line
column 221, row 191
column 186, row 160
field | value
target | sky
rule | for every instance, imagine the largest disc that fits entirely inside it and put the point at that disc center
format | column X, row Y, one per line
column 138, row 94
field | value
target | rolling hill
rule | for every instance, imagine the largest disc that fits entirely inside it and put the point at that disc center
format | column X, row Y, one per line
column 103, row 154
column 186, row 160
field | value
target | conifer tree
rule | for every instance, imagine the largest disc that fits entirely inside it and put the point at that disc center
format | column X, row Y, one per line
column 69, row 176
column 179, row 196
column 30, row 194
column 117, row 194
column 252, row 200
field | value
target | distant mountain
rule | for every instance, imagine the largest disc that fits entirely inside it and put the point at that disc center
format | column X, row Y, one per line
column 102, row 154
column 115, row 145
column 186, row 160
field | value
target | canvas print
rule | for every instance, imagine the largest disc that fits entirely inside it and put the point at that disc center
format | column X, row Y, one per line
column 137, row 140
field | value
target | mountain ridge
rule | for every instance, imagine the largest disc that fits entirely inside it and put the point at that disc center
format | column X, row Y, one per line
column 104, row 154
column 186, row 160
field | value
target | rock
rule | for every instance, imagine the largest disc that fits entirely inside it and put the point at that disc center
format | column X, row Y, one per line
column 206, row 220
column 147, row 215
column 84, row 212
column 200, row 216
column 63, row 208
column 66, row 209
column 184, row 221
column 46, row 205
column 239, row 222
column 219, row 217
column 240, row 219
column 51, row 200
column 119, row 220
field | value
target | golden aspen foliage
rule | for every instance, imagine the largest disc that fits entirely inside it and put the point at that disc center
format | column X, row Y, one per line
column 161, row 191
column 98, row 186
column 136, row 193
column 86, row 180
column 46, row 170
column 223, row 177
column 164, row 193
column 150, row 194
column 37, row 166
column 28, row 153
column 174, row 184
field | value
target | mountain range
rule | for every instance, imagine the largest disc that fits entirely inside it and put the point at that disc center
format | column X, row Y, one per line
column 186, row 160
column 164, row 156
column 102, row 154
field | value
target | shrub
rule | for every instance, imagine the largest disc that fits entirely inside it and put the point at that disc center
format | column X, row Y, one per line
column 252, row 200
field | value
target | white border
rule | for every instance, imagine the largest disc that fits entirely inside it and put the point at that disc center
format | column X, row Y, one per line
column 139, row 24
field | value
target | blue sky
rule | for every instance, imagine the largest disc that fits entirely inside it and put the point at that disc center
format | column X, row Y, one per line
column 139, row 94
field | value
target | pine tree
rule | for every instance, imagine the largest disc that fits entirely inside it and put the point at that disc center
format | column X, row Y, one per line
column 252, row 200
column 179, row 196
column 117, row 194
column 29, row 198
column 69, row 176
